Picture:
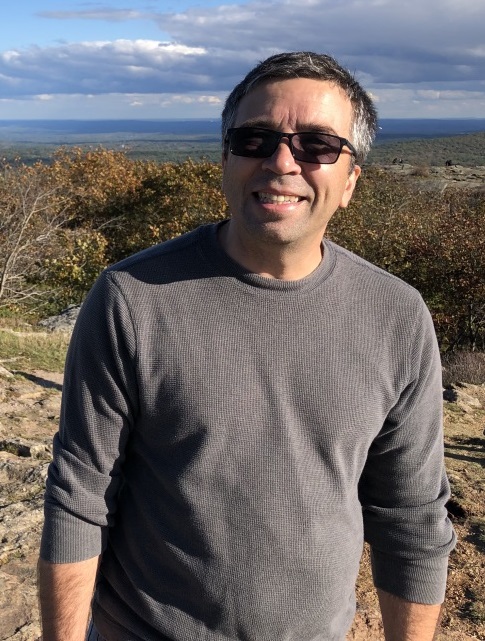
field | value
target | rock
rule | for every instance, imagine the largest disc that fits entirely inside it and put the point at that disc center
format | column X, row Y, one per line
column 436, row 178
column 450, row 395
column 22, row 482
column 5, row 373
column 26, row 449
column 19, row 621
column 63, row 322
column 463, row 394
column 455, row 636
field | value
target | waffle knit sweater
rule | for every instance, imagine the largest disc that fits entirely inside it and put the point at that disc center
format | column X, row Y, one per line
column 228, row 441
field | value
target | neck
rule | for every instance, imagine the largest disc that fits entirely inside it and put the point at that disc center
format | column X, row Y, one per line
column 280, row 261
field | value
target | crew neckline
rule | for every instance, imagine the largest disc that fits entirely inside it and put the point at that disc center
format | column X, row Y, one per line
column 213, row 252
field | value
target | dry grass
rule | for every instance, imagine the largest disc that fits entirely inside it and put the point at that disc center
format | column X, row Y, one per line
column 463, row 367
column 422, row 171
column 24, row 348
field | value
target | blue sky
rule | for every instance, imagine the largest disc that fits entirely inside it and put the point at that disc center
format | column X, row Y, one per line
column 180, row 58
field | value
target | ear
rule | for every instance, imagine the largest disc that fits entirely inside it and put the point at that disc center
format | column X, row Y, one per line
column 350, row 186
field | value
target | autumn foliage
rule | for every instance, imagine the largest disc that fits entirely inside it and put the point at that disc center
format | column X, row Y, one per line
column 62, row 223
column 434, row 241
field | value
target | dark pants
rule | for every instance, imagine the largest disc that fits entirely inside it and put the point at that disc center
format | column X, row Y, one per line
column 93, row 634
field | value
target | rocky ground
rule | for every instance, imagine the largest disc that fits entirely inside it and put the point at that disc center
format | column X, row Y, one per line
column 441, row 178
column 29, row 411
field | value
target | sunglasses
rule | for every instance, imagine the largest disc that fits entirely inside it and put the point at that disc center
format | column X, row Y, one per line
column 307, row 146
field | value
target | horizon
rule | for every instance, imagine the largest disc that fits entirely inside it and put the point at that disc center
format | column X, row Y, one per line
column 27, row 133
column 211, row 119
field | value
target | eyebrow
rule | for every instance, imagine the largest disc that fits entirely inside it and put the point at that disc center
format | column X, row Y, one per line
column 309, row 126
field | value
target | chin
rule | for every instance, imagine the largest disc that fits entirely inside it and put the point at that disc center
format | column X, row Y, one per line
column 276, row 232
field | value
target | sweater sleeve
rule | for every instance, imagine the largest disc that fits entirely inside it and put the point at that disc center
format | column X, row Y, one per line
column 98, row 411
column 404, row 488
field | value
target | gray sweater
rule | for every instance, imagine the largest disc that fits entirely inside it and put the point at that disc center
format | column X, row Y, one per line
column 227, row 441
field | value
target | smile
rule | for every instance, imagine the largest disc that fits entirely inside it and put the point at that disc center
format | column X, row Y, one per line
column 277, row 198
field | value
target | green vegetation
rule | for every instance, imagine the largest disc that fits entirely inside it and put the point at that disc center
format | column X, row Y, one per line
column 62, row 222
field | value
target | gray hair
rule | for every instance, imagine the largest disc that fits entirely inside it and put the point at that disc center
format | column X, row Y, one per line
column 315, row 66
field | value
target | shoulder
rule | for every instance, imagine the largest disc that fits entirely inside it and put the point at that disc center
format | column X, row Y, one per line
column 379, row 299
column 175, row 262
column 135, row 283
column 168, row 251
column 360, row 274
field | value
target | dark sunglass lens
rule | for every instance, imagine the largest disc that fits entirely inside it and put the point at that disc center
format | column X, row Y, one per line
column 253, row 143
column 317, row 148
column 314, row 147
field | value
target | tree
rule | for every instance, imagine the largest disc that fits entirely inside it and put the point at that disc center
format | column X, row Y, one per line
column 32, row 208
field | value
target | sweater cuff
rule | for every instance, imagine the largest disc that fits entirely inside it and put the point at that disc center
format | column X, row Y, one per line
column 418, row 581
column 68, row 539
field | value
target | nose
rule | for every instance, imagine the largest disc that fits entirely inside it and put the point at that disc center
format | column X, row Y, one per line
column 282, row 161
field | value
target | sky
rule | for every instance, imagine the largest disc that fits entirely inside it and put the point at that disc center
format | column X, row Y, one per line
column 165, row 59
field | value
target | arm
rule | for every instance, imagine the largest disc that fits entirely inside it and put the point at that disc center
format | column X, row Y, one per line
column 86, row 472
column 404, row 488
column 65, row 593
column 406, row 621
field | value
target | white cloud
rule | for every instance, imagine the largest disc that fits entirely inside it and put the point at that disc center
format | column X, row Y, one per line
column 434, row 46
column 102, row 67
column 211, row 100
column 189, row 99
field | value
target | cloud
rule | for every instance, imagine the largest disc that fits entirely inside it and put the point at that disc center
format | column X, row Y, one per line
column 126, row 66
column 432, row 45
column 109, row 15
column 412, row 41
column 187, row 99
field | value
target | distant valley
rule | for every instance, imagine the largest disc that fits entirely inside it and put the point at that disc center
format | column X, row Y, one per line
column 417, row 142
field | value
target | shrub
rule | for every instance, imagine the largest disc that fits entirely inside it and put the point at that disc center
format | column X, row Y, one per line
column 72, row 263
column 60, row 224
column 421, row 171
column 463, row 367
column 434, row 241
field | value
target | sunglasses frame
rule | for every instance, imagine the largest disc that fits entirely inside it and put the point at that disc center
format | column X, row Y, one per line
column 277, row 136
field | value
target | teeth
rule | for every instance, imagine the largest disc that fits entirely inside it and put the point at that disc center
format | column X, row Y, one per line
column 273, row 198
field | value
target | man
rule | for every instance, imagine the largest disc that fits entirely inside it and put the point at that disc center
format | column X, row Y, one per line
column 244, row 404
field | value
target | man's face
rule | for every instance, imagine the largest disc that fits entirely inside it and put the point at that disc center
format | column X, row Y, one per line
column 279, row 200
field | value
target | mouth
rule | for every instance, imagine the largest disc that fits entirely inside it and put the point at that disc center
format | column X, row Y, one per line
column 276, row 199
